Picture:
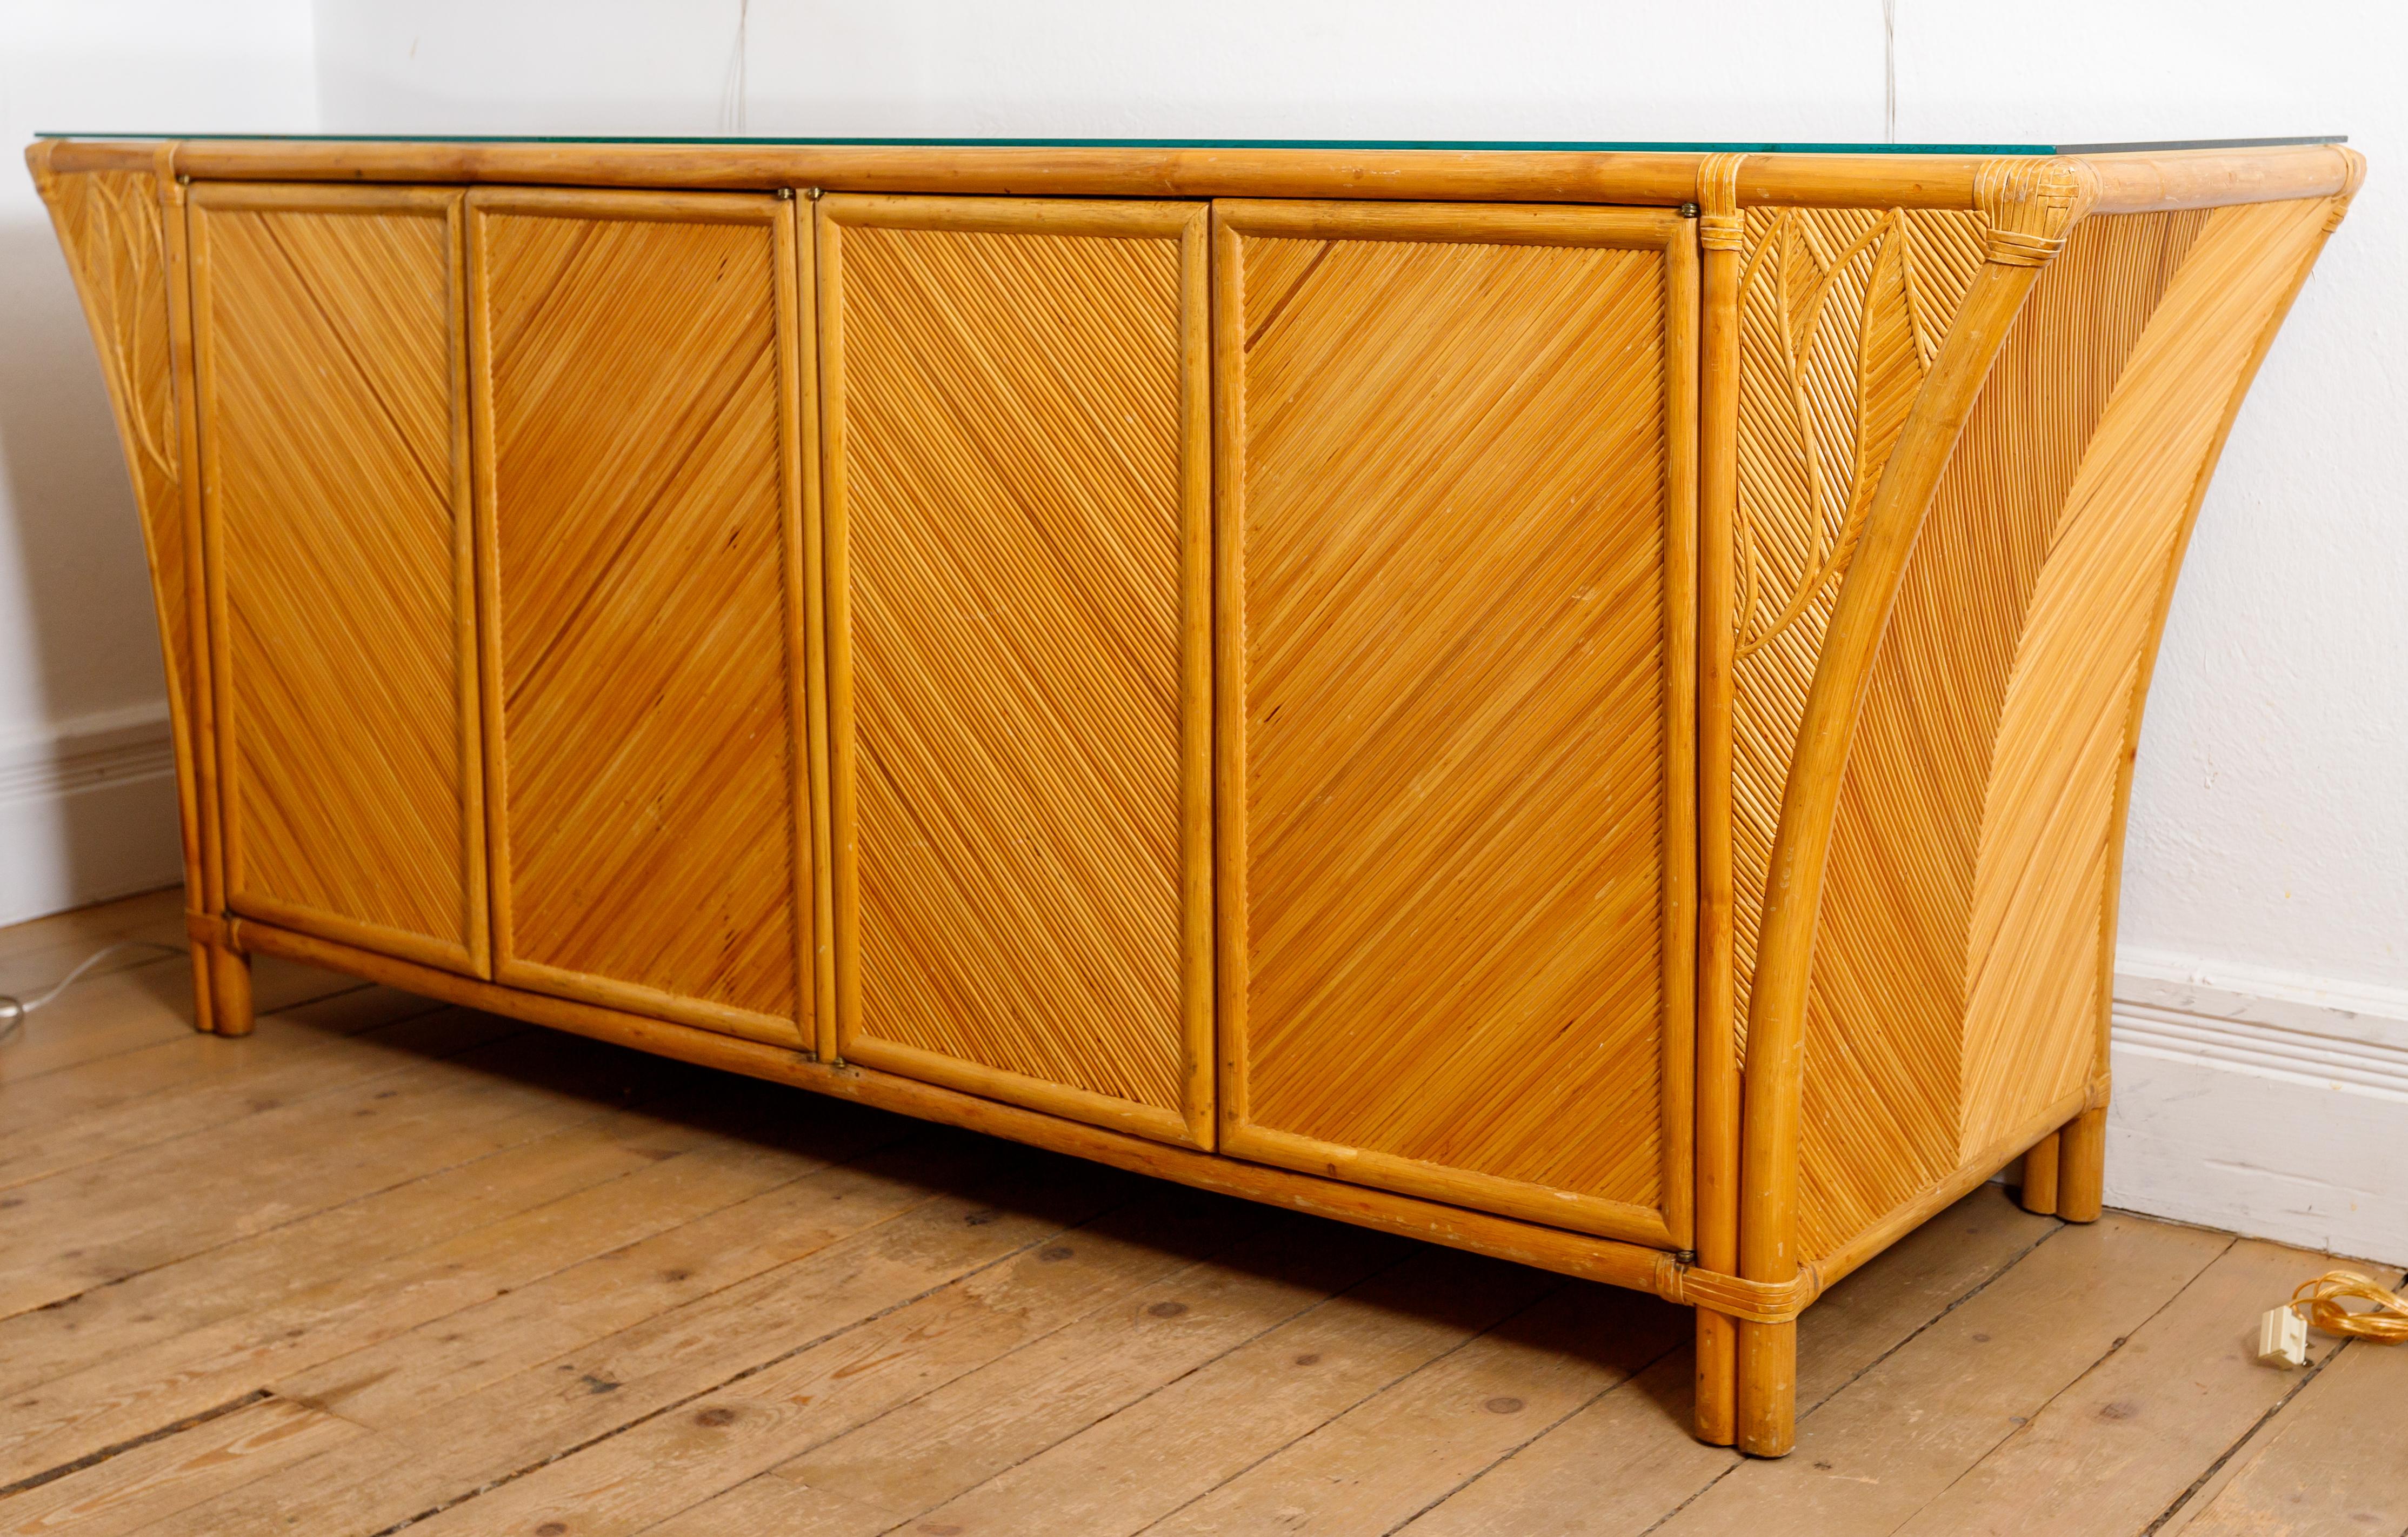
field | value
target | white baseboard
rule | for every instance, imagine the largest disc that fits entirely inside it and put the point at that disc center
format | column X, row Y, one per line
column 88, row 812
column 2262, row 1103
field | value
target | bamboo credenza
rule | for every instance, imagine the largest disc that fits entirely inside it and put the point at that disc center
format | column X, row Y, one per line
column 1577, row 703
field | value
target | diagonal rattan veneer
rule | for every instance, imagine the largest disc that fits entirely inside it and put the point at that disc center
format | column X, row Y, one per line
column 1572, row 701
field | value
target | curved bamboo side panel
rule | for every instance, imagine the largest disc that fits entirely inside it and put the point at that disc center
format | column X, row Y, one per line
column 1924, row 748
column 122, row 232
column 111, row 226
column 1961, row 962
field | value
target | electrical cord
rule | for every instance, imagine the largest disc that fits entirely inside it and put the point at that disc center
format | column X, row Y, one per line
column 2318, row 1302
column 14, row 1009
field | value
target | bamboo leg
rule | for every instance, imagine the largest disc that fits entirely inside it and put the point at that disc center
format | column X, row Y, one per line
column 2082, row 1166
column 2040, row 1176
column 1717, row 1377
column 1768, row 1388
column 229, row 990
column 204, row 1008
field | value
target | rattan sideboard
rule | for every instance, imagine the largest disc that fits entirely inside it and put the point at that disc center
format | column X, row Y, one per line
column 1577, row 703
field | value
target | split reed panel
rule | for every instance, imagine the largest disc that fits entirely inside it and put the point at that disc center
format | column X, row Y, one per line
column 637, row 361
column 1017, row 493
column 1964, row 941
column 1454, row 572
column 335, row 503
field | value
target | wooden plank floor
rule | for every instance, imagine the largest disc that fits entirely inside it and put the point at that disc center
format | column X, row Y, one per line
column 389, row 1265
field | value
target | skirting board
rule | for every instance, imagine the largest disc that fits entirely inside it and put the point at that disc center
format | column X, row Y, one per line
column 87, row 812
column 2261, row 1102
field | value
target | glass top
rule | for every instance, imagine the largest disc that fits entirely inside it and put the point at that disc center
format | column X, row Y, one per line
column 1766, row 147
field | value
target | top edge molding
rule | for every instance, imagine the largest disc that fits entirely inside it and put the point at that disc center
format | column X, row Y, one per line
column 1880, row 175
column 1530, row 145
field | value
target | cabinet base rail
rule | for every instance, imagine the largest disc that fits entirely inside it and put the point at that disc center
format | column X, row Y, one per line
column 1633, row 1267
column 1628, row 1265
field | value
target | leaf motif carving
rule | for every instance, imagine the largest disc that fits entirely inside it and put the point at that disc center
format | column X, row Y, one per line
column 122, row 249
column 1852, row 340
column 1842, row 311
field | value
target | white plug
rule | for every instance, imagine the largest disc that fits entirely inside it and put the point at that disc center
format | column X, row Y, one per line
column 2283, row 1338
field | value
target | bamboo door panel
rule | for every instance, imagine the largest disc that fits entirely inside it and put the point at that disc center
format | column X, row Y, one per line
column 336, row 515
column 638, row 434
column 1016, row 428
column 1456, row 599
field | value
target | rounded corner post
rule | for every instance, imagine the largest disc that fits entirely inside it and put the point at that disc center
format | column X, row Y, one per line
column 1768, row 1379
column 2353, row 176
column 2353, row 170
column 38, row 164
column 1721, row 233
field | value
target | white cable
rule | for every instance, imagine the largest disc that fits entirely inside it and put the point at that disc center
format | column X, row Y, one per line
column 1889, row 70
column 13, row 1010
column 733, row 88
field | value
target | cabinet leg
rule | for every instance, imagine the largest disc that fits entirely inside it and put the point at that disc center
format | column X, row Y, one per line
column 1717, row 1377
column 229, row 992
column 2040, row 1176
column 2082, row 1166
column 1768, row 1388
column 205, row 1015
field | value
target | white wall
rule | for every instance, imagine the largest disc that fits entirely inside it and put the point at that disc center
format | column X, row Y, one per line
column 87, row 788
column 1165, row 68
column 2268, row 854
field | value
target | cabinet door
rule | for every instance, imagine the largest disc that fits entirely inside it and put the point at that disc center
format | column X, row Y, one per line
column 1456, row 610
column 639, row 495
column 334, row 508
column 1015, row 407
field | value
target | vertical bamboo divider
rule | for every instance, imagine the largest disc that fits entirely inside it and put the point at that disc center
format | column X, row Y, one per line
column 1720, row 236
column 1683, row 307
column 798, row 405
column 2029, row 205
column 837, row 567
column 803, row 214
column 1230, row 951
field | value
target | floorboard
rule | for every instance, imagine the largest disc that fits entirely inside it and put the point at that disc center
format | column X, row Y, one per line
column 386, row 1266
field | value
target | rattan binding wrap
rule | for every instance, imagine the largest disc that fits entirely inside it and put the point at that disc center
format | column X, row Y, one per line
column 1756, row 1302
